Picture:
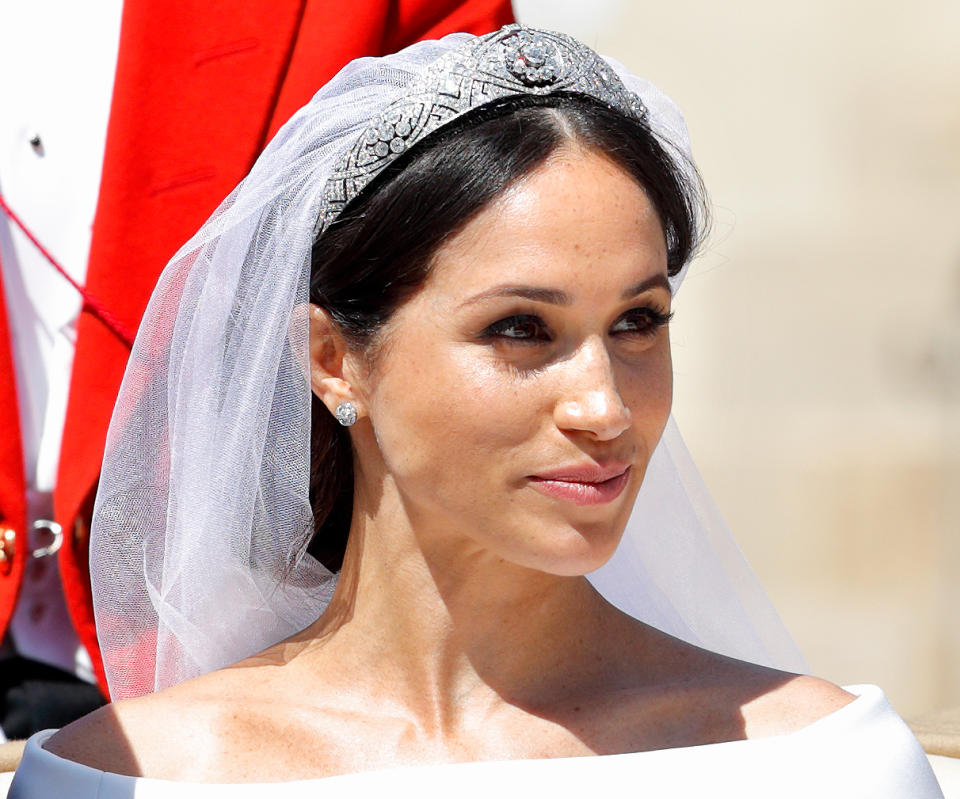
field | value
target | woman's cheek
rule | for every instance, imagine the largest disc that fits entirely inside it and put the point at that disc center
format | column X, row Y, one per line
column 647, row 389
column 501, row 403
column 446, row 420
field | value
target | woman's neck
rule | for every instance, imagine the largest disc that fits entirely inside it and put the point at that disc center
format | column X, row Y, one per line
column 441, row 625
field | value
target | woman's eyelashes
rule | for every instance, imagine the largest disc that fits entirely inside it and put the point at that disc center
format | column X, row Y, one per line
column 520, row 328
column 644, row 321
column 525, row 328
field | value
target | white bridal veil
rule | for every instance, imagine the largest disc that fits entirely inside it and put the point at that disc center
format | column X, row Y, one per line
column 203, row 505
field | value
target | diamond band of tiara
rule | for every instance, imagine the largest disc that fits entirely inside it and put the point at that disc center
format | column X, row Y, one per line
column 515, row 60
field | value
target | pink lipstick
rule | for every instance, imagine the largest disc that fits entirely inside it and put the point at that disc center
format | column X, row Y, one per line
column 586, row 485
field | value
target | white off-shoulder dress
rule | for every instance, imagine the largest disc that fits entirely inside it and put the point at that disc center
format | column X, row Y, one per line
column 862, row 751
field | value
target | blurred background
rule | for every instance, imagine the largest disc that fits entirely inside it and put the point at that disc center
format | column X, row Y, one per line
column 817, row 337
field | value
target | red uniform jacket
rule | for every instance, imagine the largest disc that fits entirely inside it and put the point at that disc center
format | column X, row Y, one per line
column 201, row 86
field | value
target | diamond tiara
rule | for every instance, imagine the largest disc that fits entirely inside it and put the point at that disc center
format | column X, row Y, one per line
column 512, row 61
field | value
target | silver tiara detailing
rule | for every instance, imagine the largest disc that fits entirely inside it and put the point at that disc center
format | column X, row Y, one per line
column 514, row 60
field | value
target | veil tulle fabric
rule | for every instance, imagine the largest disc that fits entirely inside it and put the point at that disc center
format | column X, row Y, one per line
column 203, row 506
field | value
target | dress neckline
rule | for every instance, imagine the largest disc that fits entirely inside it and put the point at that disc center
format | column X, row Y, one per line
column 869, row 699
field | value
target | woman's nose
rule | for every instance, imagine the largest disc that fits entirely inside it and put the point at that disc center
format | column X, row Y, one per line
column 590, row 401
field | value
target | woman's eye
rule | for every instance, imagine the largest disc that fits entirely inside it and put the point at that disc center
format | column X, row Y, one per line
column 521, row 328
column 641, row 321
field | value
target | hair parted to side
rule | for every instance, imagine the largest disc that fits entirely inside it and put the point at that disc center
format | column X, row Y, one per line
column 378, row 252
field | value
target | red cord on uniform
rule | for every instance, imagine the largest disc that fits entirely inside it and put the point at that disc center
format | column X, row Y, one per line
column 91, row 302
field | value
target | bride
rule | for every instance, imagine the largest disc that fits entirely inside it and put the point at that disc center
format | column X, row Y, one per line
column 432, row 325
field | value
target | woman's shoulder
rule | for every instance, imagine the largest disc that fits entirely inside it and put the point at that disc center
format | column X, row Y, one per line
column 175, row 734
column 789, row 734
column 103, row 753
column 859, row 748
column 785, row 703
column 702, row 697
column 132, row 737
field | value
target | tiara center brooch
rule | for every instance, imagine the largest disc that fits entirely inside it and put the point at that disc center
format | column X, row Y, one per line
column 533, row 59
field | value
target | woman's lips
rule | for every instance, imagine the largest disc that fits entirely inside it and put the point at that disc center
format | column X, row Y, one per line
column 583, row 486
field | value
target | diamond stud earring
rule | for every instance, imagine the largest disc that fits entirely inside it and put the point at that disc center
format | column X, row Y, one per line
column 346, row 413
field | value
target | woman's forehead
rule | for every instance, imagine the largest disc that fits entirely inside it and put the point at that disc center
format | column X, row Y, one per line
column 577, row 220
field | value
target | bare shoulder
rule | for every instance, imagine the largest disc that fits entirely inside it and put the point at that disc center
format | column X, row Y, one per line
column 790, row 703
column 173, row 734
column 680, row 695
column 770, row 702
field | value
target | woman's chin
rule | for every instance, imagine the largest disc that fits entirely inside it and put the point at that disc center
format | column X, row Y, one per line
column 574, row 553
column 578, row 546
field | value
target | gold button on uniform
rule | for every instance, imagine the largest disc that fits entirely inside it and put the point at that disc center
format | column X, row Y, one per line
column 8, row 538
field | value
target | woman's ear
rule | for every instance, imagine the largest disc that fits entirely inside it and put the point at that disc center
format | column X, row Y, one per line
column 333, row 376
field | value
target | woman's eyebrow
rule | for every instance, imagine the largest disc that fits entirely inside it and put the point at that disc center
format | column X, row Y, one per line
column 535, row 293
column 558, row 297
column 654, row 281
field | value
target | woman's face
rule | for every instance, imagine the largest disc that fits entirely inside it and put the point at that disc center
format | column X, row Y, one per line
column 520, row 393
